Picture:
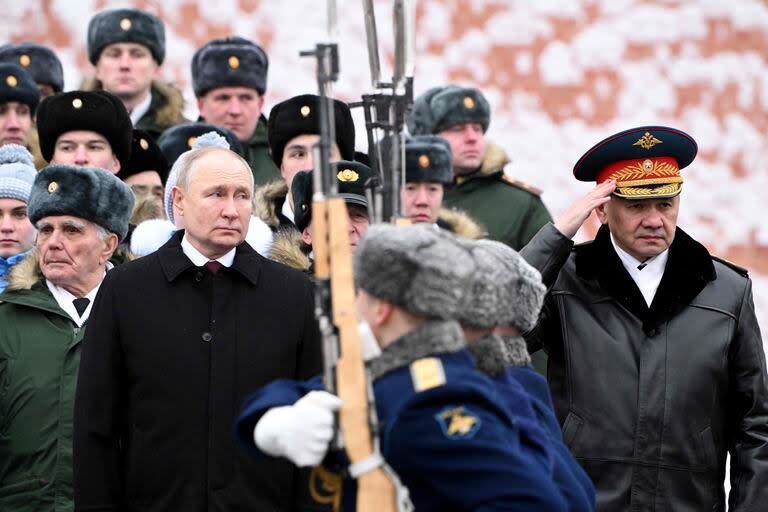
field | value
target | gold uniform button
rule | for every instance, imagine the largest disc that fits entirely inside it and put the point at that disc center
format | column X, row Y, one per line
column 469, row 102
column 52, row 186
column 423, row 161
column 191, row 141
column 234, row 62
column 24, row 60
column 11, row 81
column 125, row 24
column 144, row 144
column 304, row 111
column 77, row 103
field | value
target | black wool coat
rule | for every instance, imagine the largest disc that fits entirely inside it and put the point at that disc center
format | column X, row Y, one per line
column 170, row 352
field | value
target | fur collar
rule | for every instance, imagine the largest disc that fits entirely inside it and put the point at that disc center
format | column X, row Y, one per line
column 289, row 249
column 461, row 224
column 266, row 199
column 429, row 339
column 494, row 353
column 689, row 269
column 147, row 206
column 167, row 107
column 494, row 158
column 25, row 273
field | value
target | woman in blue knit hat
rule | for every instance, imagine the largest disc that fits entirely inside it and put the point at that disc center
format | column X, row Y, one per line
column 17, row 234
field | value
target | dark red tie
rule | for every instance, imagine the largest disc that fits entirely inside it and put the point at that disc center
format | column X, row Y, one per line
column 213, row 266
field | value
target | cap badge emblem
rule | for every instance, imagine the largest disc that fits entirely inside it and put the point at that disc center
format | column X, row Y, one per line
column 125, row 24
column 191, row 141
column 469, row 103
column 647, row 141
column 648, row 165
column 24, row 60
column 77, row 103
column 52, row 186
column 234, row 62
column 304, row 111
column 423, row 161
column 11, row 81
column 144, row 144
column 303, row 207
column 348, row 175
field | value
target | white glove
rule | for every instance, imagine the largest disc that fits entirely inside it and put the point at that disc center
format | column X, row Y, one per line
column 299, row 432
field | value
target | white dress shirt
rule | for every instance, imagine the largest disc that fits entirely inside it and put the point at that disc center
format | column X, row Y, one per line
column 286, row 210
column 64, row 298
column 140, row 109
column 646, row 274
column 198, row 259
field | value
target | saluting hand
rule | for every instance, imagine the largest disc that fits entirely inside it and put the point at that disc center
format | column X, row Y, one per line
column 299, row 432
column 571, row 220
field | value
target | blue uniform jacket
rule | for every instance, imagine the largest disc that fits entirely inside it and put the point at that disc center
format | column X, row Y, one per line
column 445, row 433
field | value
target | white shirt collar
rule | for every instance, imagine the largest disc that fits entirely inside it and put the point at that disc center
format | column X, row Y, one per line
column 286, row 210
column 198, row 259
column 141, row 109
column 648, row 276
column 64, row 299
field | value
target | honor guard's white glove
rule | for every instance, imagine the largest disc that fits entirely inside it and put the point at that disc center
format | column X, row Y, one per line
column 299, row 432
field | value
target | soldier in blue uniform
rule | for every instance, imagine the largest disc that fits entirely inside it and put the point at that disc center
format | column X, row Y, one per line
column 504, row 300
column 443, row 428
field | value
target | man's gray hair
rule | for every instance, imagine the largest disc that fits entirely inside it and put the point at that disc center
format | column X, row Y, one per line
column 183, row 165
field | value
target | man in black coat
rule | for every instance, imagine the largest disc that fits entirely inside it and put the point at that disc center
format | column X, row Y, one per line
column 656, row 362
column 176, row 340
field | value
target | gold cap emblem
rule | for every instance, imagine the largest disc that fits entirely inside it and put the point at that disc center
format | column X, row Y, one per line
column 144, row 144
column 24, row 60
column 304, row 111
column 303, row 207
column 423, row 161
column 348, row 175
column 52, row 186
column 125, row 24
column 647, row 141
column 469, row 102
column 191, row 141
column 648, row 165
column 77, row 103
column 11, row 81
column 234, row 62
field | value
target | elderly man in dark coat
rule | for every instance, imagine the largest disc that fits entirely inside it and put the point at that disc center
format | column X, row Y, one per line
column 656, row 363
column 177, row 340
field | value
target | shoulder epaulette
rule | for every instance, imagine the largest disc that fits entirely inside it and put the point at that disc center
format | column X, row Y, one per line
column 427, row 373
column 739, row 270
column 521, row 185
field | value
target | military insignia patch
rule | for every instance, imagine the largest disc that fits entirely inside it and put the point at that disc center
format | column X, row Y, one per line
column 647, row 141
column 125, row 24
column 427, row 373
column 77, row 103
column 234, row 62
column 458, row 422
column 52, row 186
column 11, row 81
column 348, row 175
column 24, row 60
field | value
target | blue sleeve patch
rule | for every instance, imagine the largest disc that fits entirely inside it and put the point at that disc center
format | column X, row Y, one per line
column 458, row 422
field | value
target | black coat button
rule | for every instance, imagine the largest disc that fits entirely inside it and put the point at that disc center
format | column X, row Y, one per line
column 207, row 337
column 198, row 276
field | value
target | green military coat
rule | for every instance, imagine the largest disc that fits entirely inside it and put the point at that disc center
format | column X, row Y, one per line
column 510, row 211
column 39, row 360
column 257, row 154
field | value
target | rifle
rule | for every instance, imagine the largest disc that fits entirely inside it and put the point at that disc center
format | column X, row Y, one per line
column 386, row 109
column 378, row 488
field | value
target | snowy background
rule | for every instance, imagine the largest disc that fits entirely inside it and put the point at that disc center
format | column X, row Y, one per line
column 560, row 75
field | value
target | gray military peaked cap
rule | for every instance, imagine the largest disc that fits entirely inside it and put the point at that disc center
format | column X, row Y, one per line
column 422, row 269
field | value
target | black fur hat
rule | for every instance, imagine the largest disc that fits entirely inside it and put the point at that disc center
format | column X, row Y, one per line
column 176, row 140
column 428, row 159
column 442, row 107
column 96, row 111
column 39, row 61
column 89, row 193
column 17, row 85
column 145, row 156
column 229, row 62
column 126, row 26
column 300, row 115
